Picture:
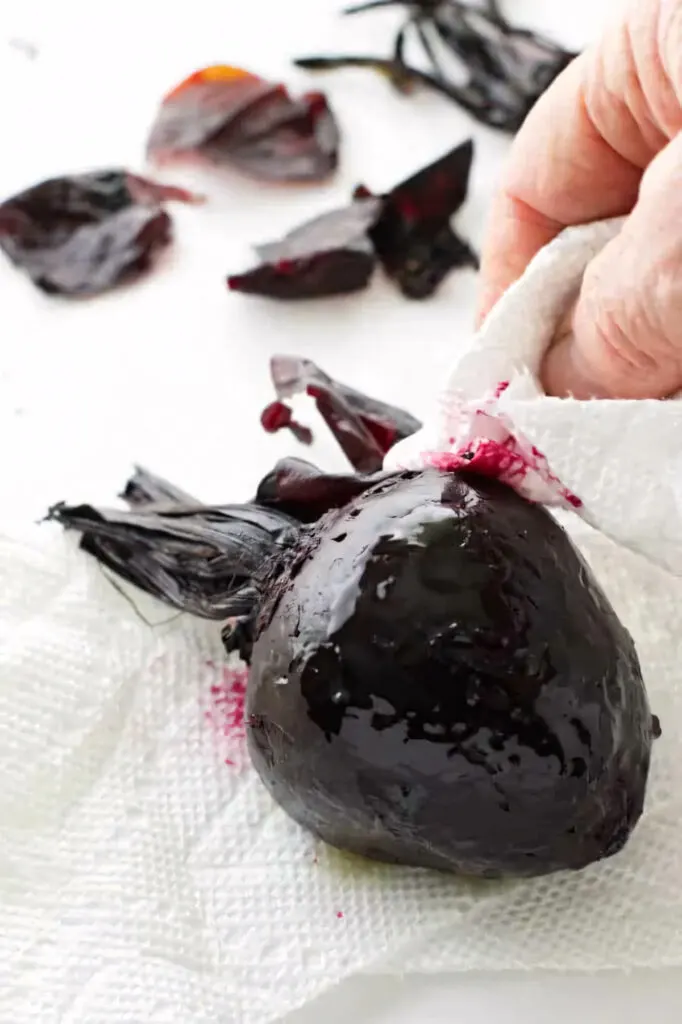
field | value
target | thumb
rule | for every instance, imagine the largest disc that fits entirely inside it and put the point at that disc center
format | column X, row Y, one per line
column 624, row 338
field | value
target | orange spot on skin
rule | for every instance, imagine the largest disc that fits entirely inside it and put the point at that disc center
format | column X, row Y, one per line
column 215, row 73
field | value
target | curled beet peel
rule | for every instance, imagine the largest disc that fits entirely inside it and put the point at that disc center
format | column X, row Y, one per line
column 230, row 116
column 436, row 678
column 85, row 233
column 365, row 428
column 503, row 70
column 407, row 230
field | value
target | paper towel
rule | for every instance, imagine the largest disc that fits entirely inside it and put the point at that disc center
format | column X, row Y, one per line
column 145, row 874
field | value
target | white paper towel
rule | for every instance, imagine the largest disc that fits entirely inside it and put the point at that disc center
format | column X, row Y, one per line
column 145, row 875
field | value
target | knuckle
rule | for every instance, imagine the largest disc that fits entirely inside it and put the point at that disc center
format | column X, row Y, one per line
column 669, row 38
column 629, row 352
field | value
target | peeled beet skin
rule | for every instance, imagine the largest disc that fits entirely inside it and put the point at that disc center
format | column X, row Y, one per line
column 439, row 681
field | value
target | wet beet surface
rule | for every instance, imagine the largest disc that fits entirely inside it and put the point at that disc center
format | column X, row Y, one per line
column 438, row 680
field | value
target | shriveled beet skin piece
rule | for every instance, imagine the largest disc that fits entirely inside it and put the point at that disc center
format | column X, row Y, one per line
column 330, row 255
column 303, row 491
column 86, row 233
column 364, row 427
column 412, row 699
column 230, row 116
column 412, row 237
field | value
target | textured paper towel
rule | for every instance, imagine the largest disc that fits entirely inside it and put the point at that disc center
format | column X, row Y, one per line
column 145, row 875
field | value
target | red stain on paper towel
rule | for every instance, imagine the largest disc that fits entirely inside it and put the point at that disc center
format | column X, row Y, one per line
column 226, row 713
column 501, row 460
column 485, row 441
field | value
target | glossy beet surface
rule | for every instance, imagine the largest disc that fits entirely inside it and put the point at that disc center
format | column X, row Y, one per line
column 438, row 680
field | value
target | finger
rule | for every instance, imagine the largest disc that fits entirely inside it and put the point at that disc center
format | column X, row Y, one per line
column 581, row 153
column 626, row 336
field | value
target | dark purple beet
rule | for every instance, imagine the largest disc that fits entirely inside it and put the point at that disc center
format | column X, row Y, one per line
column 85, row 233
column 438, row 680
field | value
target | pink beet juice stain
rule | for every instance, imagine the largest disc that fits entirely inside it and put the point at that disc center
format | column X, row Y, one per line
column 502, row 456
column 275, row 417
column 226, row 712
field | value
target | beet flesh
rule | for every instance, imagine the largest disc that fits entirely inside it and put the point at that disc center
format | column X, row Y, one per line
column 437, row 680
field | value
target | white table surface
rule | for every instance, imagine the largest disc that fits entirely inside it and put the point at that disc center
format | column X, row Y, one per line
column 73, row 419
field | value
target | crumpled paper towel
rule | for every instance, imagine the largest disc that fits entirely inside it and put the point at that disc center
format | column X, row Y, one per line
column 145, row 874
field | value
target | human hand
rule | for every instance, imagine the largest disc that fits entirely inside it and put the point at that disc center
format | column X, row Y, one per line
column 605, row 140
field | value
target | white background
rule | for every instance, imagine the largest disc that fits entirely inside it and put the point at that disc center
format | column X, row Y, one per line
column 172, row 371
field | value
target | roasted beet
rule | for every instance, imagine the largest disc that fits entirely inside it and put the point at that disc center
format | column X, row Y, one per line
column 330, row 255
column 437, row 680
column 506, row 69
column 85, row 233
column 230, row 116
column 436, row 677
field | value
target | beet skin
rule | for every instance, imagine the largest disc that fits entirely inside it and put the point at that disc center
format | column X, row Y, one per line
column 438, row 680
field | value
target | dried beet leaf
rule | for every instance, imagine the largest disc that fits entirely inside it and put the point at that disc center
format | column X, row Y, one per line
column 506, row 69
column 413, row 237
column 203, row 559
column 83, row 234
column 330, row 255
column 364, row 427
column 509, row 68
column 213, row 561
column 230, row 116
